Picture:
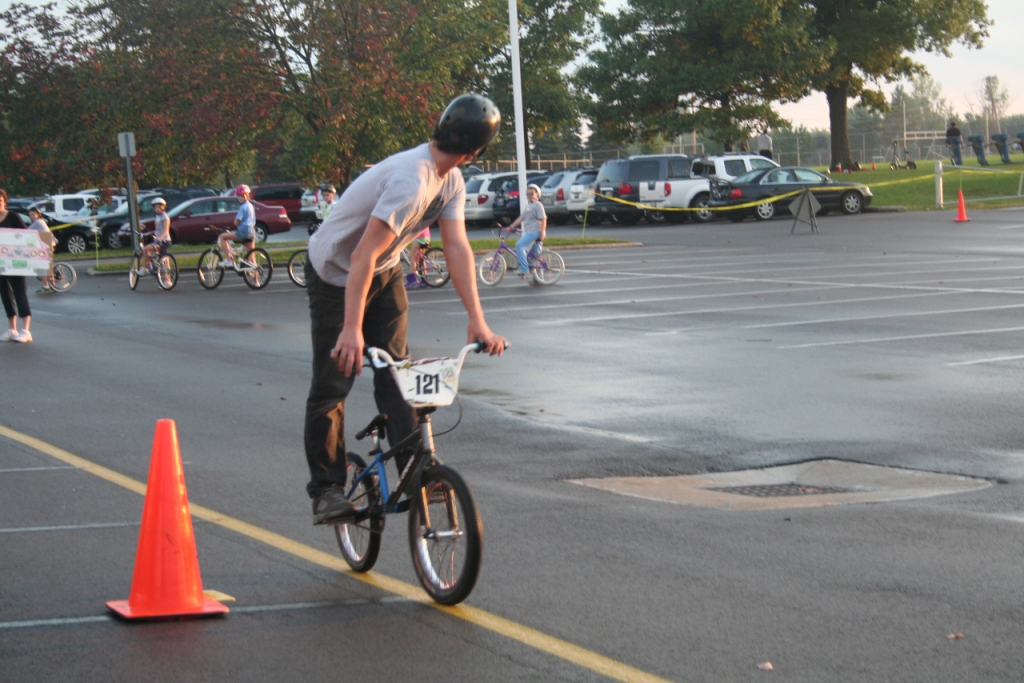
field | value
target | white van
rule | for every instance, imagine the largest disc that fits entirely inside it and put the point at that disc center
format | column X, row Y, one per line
column 70, row 206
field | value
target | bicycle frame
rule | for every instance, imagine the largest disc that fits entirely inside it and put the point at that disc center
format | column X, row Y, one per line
column 533, row 254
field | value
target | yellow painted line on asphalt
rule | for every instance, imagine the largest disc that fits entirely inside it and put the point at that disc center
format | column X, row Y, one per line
column 538, row 640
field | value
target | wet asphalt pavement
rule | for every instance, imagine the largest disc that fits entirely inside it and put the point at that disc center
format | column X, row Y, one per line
column 891, row 339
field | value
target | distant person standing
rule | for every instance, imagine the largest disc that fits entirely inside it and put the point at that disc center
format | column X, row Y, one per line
column 47, row 238
column 764, row 145
column 328, row 197
column 955, row 141
column 12, row 287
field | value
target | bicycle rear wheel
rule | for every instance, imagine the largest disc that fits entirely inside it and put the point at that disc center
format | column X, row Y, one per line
column 133, row 271
column 548, row 268
column 262, row 269
column 360, row 541
column 447, row 547
column 64, row 277
column 435, row 268
column 209, row 271
column 297, row 267
column 166, row 272
column 492, row 269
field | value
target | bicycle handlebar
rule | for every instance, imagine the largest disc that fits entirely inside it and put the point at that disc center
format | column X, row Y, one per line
column 381, row 359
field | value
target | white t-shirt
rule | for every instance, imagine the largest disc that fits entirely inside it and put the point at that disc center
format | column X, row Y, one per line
column 405, row 192
column 162, row 227
column 532, row 217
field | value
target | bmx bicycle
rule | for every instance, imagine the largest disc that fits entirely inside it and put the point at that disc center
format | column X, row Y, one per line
column 297, row 267
column 426, row 263
column 546, row 266
column 162, row 265
column 445, row 529
column 253, row 265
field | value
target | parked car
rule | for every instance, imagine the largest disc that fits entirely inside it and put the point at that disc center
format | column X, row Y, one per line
column 848, row 197
column 506, row 203
column 580, row 202
column 555, row 192
column 287, row 195
column 622, row 179
column 23, row 204
column 478, row 200
column 196, row 220
column 110, row 225
column 70, row 206
column 729, row 165
column 73, row 237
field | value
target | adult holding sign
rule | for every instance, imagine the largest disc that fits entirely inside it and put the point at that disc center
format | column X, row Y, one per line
column 12, row 287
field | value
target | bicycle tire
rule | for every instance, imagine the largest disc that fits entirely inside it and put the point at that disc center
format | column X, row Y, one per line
column 447, row 556
column 435, row 268
column 209, row 270
column 258, row 277
column 548, row 268
column 64, row 277
column 166, row 272
column 297, row 267
column 492, row 269
column 133, row 271
column 360, row 541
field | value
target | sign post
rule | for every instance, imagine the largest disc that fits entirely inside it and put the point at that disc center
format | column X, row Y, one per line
column 517, row 99
column 126, row 147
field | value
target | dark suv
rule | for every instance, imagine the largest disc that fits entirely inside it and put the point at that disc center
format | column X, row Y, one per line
column 621, row 178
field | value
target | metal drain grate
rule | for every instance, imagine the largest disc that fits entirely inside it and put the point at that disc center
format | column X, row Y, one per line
column 779, row 490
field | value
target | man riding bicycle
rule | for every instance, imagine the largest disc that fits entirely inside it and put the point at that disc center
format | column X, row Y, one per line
column 245, row 221
column 355, row 287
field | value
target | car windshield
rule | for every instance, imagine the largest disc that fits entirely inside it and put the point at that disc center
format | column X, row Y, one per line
column 612, row 172
column 555, row 180
column 747, row 178
column 473, row 186
column 585, row 178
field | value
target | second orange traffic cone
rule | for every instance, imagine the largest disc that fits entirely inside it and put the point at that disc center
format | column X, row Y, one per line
column 961, row 211
column 166, row 582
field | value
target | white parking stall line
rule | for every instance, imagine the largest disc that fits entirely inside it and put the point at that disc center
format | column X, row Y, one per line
column 1000, row 359
column 37, row 469
column 906, row 337
column 72, row 621
column 67, row 527
column 889, row 265
column 887, row 316
column 667, row 314
column 1011, row 227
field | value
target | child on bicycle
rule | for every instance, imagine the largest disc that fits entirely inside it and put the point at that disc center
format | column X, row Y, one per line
column 160, row 236
column 415, row 279
column 47, row 238
column 245, row 221
column 535, row 225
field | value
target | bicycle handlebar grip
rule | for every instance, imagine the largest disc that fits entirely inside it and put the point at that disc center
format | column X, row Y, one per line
column 480, row 346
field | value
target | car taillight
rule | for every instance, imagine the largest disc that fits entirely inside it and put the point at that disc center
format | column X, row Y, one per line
column 735, row 193
column 625, row 188
column 514, row 194
column 560, row 195
column 668, row 189
column 283, row 214
column 482, row 199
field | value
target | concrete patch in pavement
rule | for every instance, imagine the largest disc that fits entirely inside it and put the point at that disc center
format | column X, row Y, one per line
column 817, row 483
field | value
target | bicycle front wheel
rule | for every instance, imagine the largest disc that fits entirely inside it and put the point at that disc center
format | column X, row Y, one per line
column 360, row 541
column 492, row 269
column 548, row 268
column 297, row 267
column 167, row 272
column 435, row 268
column 447, row 542
column 258, row 269
column 64, row 277
column 133, row 271
column 209, row 271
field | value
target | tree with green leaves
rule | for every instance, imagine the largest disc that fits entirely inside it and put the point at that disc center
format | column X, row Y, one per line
column 552, row 35
column 870, row 42
column 669, row 67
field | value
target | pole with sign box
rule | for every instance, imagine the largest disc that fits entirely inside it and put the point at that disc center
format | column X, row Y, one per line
column 126, row 147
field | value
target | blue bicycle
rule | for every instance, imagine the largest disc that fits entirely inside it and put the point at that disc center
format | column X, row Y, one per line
column 445, row 529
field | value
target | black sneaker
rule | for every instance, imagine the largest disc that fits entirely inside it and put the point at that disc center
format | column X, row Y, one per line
column 332, row 507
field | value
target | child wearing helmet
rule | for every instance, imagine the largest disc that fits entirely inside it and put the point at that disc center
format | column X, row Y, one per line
column 535, row 226
column 161, row 235
column 245, row 222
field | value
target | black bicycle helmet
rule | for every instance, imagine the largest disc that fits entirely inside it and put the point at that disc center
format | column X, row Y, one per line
column 467, row 125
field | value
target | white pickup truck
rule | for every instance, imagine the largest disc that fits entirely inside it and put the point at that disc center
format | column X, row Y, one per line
column 695, row 192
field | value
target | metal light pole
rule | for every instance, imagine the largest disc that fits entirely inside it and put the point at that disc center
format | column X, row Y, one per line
column 517, row 100
column 126, row 146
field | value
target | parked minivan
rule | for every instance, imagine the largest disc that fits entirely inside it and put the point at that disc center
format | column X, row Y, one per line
column 621, row 179
column 555, row 195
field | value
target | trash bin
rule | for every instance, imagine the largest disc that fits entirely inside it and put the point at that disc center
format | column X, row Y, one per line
column 955, row 153
column 978, row 144
column 1002, row 144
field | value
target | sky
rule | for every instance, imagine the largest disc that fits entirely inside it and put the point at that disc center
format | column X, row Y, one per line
column 960, row 76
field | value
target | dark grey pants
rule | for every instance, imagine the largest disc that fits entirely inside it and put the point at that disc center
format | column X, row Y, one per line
column 12, row 293
column 385, row 325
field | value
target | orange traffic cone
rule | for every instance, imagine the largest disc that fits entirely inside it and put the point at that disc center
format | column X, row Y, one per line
column 166, row 582
column 961, row 212
column 873, row 166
